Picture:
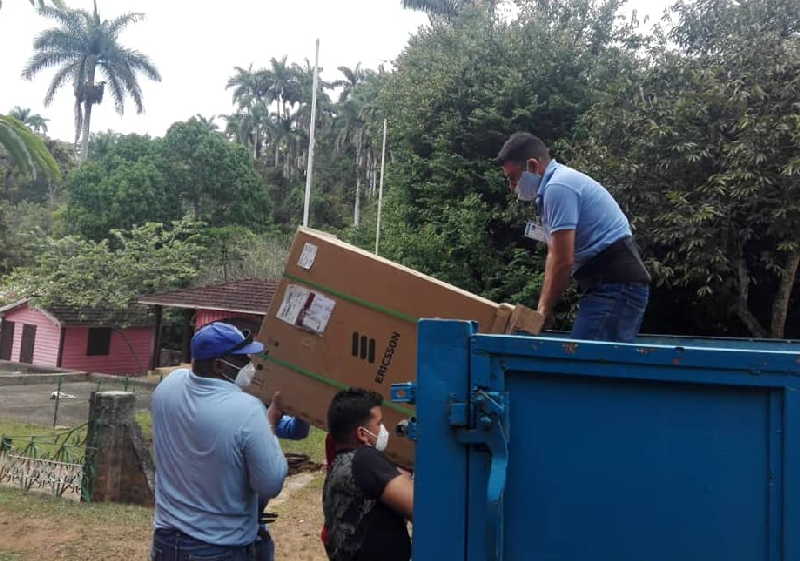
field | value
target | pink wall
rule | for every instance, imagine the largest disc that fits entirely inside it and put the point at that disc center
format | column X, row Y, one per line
column 119, row 360
column 204, row 317
column 48, row 335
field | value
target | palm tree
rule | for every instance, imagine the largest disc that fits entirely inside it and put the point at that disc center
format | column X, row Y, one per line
column 447, row 8
column 81, row 45
column 102, row 143
column 353, row 77
column 35, row 122
column 207, row 122
column 351, row 133
column 253, row 93
column 284, row 88
column 20, row 114
column 250, row 86
column 26, row 150
column 249, row 127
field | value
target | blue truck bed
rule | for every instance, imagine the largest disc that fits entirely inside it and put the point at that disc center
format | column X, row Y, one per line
column 542, row 448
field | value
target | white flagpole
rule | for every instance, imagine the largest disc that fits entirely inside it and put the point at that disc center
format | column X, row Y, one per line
column 311, row 141
column 380, row 190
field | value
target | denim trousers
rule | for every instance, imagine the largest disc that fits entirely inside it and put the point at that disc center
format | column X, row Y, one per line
column 611, row 312
column 172, row 545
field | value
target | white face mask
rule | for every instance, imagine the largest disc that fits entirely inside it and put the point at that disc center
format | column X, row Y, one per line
column 245, row 375
column 528, row 186
column 382, row 440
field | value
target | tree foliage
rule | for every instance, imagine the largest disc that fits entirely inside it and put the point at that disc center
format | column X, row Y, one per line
column 131, row 180
column 110, row 274
column 26, row 150
column 80, row 46
column 701, row 146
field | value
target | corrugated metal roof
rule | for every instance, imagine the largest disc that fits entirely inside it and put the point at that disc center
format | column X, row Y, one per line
column 135, row 316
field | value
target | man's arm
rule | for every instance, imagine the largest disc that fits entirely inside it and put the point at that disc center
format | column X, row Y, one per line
column 285, row 426
column 399, row 495
column 557, row 270
column 266, row 464
column 380, row 479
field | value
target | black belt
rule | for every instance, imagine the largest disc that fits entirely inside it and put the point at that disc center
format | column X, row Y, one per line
column 620, row 262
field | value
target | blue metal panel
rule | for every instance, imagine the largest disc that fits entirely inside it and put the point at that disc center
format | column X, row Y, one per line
column 704, row 342
column 617, row 452
column 791, row 474
column 721, row 343
column 440, row 477
column 692, row 361
column 626, row 470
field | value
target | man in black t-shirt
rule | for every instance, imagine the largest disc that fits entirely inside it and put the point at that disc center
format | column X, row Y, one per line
column 367, row 499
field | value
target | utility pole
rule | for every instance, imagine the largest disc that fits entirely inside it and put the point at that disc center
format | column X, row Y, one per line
column 311, row 141
column 380, row 190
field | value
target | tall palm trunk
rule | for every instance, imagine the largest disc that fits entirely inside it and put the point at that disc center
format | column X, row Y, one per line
column 8, row 180
column 357, row 206
column 255, row 145
column 89, row 98
column 374, row 169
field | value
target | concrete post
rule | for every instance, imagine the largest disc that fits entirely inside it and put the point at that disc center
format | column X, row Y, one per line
column 118, row 465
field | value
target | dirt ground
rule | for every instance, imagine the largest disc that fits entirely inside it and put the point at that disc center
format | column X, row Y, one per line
column 35, row 527
column 297, row 530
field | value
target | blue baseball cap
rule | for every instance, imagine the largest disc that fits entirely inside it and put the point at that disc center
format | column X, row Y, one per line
column 219, row 339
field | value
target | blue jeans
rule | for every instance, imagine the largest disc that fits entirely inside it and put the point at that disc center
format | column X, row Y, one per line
column 265, row 549
column 172, row 545
column 611, row 312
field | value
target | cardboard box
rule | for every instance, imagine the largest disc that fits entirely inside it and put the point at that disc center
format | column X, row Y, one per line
column 343, row 317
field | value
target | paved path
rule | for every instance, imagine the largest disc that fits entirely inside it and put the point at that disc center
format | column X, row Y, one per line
column 32, row 404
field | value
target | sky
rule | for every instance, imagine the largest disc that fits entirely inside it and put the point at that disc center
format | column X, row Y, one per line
column 195, row 45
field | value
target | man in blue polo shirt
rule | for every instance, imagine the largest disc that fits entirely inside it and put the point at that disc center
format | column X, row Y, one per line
column 588, row 237
column 216, row 453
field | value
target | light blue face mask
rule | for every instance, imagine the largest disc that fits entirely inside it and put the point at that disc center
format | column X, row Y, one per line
column 528, row 186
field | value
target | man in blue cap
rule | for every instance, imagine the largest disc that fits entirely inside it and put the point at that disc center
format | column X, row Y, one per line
column 216, row 453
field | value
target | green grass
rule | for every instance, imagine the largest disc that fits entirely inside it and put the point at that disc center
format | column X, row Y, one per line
column 10, row 556
column 46, row 440
column 37, row 505
column 313, row 446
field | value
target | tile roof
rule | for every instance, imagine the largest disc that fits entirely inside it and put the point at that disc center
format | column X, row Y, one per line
column 252, row 296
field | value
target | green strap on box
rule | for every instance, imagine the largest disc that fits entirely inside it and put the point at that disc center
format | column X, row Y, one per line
column 329, row 381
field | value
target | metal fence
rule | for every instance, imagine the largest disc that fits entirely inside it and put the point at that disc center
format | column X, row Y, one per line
column 52, row 462
column 43, row 432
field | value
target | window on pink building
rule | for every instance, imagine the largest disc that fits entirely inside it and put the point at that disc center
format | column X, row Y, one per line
column 99, row 341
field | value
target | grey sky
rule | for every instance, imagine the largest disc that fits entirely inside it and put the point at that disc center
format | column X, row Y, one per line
column 196, row 44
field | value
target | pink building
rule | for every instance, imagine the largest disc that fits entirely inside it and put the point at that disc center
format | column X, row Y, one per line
column 74, row 339
column 242, row 303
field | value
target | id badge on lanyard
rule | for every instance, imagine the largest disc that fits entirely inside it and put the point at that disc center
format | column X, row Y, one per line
column 533, row 228
column 535, row 231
